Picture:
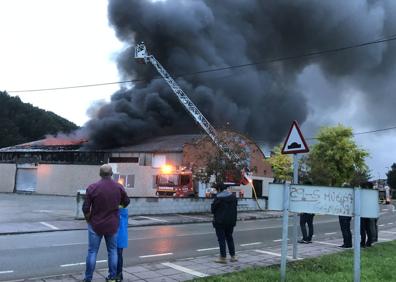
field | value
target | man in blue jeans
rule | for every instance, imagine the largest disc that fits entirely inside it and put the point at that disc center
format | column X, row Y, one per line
column 100, row 209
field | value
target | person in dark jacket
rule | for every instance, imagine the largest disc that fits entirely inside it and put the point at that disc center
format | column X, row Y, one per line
column 100, row 209
column 345, row 224
column 224, row 209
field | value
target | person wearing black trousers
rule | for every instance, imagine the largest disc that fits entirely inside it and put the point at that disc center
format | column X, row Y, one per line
column 306, row 219
column 345, row 224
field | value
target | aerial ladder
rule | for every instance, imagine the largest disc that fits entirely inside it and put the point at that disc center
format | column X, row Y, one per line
column 142, row 55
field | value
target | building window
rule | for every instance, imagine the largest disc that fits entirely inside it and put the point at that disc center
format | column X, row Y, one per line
column 128, row 181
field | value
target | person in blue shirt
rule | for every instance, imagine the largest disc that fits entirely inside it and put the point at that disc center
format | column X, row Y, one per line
column 122, row 240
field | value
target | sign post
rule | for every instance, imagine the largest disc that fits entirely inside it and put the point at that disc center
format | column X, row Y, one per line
column 285, row 224
column 326, row 200
column 294, row 144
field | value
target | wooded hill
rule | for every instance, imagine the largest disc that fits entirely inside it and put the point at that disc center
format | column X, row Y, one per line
column 22, row 122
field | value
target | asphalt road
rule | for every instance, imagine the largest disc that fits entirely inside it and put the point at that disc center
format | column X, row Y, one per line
column 54, row 253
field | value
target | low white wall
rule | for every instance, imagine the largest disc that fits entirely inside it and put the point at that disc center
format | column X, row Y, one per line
column 7, row 176
column 151, row 206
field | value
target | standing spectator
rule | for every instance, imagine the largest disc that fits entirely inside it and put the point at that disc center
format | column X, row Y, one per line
column 224, row 209
column 100, row 209
column 365, row 232
column 345, row 224
column 122, row 240
column 306, row 219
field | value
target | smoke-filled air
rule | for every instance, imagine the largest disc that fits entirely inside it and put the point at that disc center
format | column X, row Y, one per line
column 264, row 97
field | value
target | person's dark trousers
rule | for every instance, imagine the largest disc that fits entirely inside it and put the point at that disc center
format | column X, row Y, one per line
column 374, row 229
column 119, row 263
column 365, row 232
column 307, row 219
column 224, row 234
column 345, row 224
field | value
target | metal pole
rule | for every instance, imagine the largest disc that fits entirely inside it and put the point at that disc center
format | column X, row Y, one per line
column 285, row 222
column 295, row 216
column 356, row 233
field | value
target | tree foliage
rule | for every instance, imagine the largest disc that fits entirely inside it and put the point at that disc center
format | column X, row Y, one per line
column 391, row 176
column 282, row 165
column 216, row 167
column 21, row 122
column 336, row 159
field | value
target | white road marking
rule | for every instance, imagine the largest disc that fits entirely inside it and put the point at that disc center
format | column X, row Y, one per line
column 69, row 244
column 326, row 243
column 384, row 240
column 80, row 263
column 193, row 217
column 390, row 232
column 49, row 225
column 185, row 269
column 153, row 218
column 279, row 240
column 390, row 223
column 6, row 271
column 381, row 225
column 331, row 233
column 250, row 244
column 156, row 255
column 208, row 249
column 274, row 254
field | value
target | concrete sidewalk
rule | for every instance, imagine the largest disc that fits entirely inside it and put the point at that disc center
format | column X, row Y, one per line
column 203, row 266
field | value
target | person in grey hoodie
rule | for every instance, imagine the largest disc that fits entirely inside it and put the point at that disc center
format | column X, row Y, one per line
column 224, row 210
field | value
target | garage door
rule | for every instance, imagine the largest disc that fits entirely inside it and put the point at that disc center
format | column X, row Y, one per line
column 26, row 180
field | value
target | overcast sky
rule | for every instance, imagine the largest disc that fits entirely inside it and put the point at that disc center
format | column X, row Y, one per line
column 47, row 43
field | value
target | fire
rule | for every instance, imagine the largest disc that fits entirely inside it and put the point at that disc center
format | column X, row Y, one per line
column 167, row 169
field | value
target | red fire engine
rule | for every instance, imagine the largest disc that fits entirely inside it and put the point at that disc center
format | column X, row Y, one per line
column 172, row 182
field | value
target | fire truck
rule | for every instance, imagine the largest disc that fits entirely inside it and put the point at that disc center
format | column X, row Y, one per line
column 142, row 56
column 174, row 182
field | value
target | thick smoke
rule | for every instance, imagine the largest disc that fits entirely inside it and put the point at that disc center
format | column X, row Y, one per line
column 261, row 100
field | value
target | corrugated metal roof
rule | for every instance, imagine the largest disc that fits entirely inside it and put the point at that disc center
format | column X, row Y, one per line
column 171, row 143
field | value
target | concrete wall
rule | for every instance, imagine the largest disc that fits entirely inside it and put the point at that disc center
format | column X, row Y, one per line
column 144, row 178
column 7, row 176
column 151, row 206
column 59, row 179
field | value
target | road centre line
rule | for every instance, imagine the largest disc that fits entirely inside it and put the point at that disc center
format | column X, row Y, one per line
column 193, row 217
column 381, row 225
column 69, row 244
column 156, row 255
column 390, row 232
column 331, row 233
column 326, row 243
column 80, row 263
column 153, row 218
column 390, row 223
column 208, row 249
column 185, row 269
column 250, row 244
column 49, row 225
column 6, row 271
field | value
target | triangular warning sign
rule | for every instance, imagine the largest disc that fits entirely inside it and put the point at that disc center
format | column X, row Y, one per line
column 295, row 142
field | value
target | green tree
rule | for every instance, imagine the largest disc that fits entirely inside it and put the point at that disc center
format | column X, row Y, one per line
column 215, row 166
column 282, row 165
column 391, row 176
column 335, row 159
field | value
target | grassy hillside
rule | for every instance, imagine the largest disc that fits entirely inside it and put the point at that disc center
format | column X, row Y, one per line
column 21, row 122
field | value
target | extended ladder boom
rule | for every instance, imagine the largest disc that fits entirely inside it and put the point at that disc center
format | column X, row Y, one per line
column 141, row 54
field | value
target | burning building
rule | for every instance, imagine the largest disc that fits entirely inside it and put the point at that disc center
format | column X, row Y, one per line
column 62, row 167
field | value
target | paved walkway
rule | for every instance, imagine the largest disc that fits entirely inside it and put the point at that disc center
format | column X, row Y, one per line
column 190, row 268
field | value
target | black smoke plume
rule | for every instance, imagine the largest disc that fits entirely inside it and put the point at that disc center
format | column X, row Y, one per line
column 261, row 100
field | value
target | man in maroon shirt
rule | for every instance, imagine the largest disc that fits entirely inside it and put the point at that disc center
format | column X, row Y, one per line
column 100, row 209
